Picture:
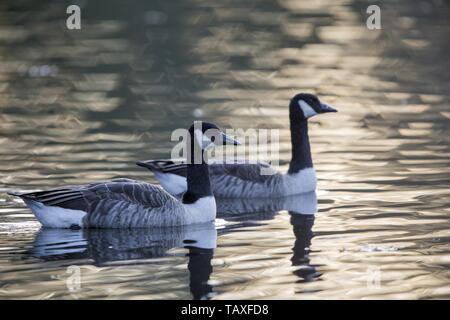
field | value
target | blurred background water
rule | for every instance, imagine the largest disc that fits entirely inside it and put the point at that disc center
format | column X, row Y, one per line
column 83, row 105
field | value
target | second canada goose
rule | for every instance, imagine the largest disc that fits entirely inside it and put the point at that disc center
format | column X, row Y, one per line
column 244, row 180
column 124, row 203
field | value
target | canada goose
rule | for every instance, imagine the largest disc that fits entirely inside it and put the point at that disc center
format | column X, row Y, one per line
column 244, row 180
column 102, row 246
column 124, row 203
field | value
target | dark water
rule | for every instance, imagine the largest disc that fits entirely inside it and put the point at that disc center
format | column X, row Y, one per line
column 80, row 106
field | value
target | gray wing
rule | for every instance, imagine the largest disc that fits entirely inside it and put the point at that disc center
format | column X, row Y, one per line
column 83, row 197
column 259, row 172
column 119, row 203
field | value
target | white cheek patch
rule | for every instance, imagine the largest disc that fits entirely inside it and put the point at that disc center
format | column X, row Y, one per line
column 201, row 139
column 308, row 111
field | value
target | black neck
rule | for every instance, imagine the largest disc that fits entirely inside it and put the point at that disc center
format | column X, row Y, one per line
column 301, row 150
column 198, row 185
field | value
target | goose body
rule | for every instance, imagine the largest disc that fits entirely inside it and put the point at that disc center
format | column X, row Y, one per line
column 235, row 180
column 245, row 180
column 125, row 203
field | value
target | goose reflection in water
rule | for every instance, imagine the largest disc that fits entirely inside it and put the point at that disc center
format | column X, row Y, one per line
column 127, row 246
column 301, row 208
column 266, row 208
column 302, row 227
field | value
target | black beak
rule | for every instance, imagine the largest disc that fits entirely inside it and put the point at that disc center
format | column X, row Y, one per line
column 326, row 108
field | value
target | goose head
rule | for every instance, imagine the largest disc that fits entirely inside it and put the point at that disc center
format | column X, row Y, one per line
column 306, row 105
column 208, row 135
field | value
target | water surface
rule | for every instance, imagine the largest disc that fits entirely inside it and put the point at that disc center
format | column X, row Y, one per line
column 80, row 106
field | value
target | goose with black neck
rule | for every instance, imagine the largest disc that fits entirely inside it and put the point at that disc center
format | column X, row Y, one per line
column 247, row 180
column 125, row 203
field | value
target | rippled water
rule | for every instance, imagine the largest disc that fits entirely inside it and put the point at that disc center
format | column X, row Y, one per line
column 80, row 106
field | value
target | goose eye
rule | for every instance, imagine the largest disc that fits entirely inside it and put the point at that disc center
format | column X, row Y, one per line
column 213, row 138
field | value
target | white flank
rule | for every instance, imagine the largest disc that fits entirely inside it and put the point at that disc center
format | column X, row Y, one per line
column 56, row 217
